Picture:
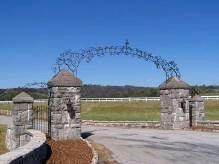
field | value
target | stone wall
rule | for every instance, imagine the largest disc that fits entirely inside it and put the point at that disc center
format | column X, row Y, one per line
column 125, row 124
column 212, row 126
column 34, row 152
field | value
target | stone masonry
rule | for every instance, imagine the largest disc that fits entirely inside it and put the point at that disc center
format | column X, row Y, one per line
column 64, row 106
column 34, row 152
column 197, row 109
column 174, row 101
column 22, row 120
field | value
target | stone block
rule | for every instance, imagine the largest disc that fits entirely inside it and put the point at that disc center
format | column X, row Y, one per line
column 56, row 118
column 78, row 116
column 165, row 117
column 164, row 92
column 69, row 133
column 19, row 130
column 21, row 118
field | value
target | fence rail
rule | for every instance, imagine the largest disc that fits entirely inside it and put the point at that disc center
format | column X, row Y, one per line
column 137, row 99
column 5, row 112
column 116, row 99
column 121, row 99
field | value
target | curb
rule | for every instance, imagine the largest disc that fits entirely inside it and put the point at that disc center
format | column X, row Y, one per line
column 95, row 155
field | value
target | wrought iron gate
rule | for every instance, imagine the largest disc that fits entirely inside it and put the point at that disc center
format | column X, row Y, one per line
column 40, row 118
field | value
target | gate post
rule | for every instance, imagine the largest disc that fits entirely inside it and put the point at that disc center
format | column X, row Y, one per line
column 174, row 104
column 22, row 120
column 197, row 109
column 64, row 106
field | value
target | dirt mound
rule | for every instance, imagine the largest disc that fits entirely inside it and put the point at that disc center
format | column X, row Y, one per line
column 69, row 152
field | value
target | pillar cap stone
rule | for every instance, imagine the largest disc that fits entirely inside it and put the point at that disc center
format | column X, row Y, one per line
column 23, row 97
column 197, row 98
column 64, row 79
column 174, row 83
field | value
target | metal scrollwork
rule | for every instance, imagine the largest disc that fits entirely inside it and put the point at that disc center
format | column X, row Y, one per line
column 71, row 60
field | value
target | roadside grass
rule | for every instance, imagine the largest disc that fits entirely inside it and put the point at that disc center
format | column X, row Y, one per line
column 3, row 148
column 104, row 155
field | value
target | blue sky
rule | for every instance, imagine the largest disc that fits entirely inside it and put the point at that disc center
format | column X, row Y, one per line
column 34, row 33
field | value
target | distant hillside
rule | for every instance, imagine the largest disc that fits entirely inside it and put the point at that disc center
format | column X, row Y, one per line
column 98, row 91
column 37, row 93
column 87, row 91
column 118, row 91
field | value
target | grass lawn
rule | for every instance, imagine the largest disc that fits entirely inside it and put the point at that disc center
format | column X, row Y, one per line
column 2, row 139
column 120, row 111
column 5, row 106
column 131, row 111
column 212, row 109
column 135, row 111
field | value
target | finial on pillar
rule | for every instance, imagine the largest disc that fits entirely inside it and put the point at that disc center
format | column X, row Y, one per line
column 126, row 43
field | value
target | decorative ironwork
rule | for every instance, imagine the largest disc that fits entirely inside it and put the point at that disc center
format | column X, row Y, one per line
column 72, row 60
column 40, row 118
column 37, row 84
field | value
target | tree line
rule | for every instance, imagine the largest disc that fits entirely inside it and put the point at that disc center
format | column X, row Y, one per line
column 98, row 91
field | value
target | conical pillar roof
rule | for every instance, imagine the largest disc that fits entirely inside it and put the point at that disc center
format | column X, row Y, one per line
column 174, row 83
column 23, row 97
column 64, row 79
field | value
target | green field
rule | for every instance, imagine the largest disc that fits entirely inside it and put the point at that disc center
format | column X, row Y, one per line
column 135, row 111
column 5, row 106
column 131, row 111
column 119, row 111
column 212, row 109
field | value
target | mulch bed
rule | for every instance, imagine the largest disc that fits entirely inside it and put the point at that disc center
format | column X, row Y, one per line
column 69, row 152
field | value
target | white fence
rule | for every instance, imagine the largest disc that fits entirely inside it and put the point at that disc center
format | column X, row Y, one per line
column 116, row 99
column 121, row 99
column 211, row 97
column 137, row 99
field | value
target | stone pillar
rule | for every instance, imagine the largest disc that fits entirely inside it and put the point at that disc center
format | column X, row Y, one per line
column 174, row 104
column 22, row 120
column 197, row 109
column 64, row 106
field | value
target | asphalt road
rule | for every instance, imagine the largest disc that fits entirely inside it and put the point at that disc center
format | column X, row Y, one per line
column 150, row 146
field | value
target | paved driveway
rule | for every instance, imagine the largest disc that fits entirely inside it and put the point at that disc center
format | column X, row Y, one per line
column 150, row 146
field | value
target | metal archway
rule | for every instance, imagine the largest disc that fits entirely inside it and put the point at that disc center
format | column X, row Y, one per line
column 71, row 60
